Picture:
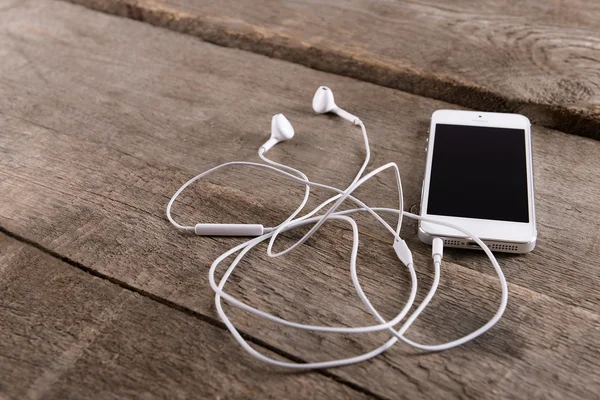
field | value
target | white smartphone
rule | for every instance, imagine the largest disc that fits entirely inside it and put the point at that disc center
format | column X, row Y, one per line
column 479, row 175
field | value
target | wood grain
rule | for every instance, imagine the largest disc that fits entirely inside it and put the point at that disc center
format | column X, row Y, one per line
column 68, row 335
column 539, row 58
column 104, row 118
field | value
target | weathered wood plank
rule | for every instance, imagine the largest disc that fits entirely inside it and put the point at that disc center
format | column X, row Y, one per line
column 535, row 57
column 68, row 335
column 87, row 174
column 199, row 108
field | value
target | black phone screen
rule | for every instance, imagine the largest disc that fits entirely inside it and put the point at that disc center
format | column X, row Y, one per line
column 479, row 172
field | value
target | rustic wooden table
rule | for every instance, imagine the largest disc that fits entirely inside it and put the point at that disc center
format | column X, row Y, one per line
column 102, row 118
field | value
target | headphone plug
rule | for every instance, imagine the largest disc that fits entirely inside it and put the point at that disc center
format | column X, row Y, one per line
column 437, row 250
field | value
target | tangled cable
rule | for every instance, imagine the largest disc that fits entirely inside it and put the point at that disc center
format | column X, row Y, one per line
column 281, row 130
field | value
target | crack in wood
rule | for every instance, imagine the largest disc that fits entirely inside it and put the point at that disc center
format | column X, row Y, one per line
column 71, row 355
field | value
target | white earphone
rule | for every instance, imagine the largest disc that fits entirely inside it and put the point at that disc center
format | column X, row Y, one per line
column 281, row 130
column 323, row 102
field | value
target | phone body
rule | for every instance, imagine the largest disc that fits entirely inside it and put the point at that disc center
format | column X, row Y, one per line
column 479, row 175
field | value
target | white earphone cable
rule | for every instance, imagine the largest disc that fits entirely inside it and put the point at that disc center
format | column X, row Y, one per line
column 293, row 222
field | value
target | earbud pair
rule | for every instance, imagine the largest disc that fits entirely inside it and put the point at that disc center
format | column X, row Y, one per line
column 323, row 102
column 281, row 130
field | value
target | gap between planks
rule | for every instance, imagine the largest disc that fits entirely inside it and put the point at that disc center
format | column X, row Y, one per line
column 275, row 41
column 197, row 315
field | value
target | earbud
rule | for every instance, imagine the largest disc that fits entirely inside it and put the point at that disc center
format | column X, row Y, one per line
column 281, row 130
column 323, row 102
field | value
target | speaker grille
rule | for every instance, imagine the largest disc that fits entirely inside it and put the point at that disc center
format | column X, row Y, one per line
column 493, row 246
column 453, row 242
column 504, row 247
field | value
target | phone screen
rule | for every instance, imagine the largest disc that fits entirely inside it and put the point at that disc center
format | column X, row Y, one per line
column 479, row 172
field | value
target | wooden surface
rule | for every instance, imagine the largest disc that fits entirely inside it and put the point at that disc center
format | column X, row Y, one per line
column 103, row 118
column 68, row 335
column 540, row 58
